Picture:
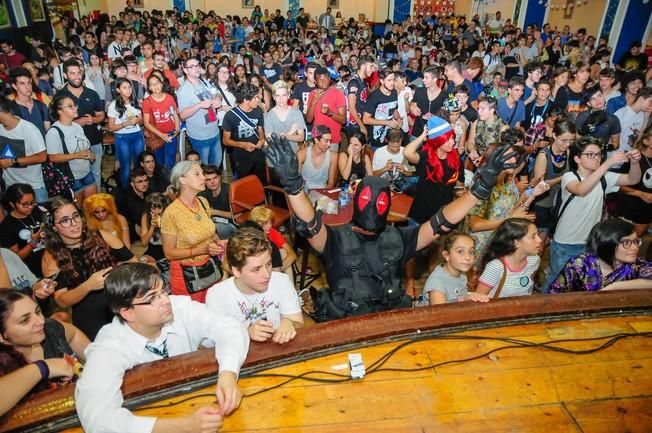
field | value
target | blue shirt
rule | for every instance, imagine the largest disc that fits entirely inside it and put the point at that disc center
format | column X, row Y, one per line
column 513, row 115
column 615, row 104
column 38, row 115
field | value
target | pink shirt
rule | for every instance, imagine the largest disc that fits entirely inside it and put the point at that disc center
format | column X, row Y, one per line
column 334, row 99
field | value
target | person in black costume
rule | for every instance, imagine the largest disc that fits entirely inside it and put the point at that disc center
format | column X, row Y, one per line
column 364, row 259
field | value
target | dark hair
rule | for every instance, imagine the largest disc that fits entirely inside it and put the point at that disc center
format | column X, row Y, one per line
column 395, row 135
column 463, row 88
column 245, row 92
column 643, row 92
column 490, row 100
column 192, row 152
column 319, row 130
column 511, row 136
column 246, row 242
column 55, row 105
column 608, row 72
column 533, row 66
column 516, row 81
column 605, row 236
column 384, row 73
column 137, row 171
column 502, row 242
column 321, row 71
column 360, row 136
column 449, row 241
column 589, row 92
column 19, row 72
column 126, row 282
column 14, row 193
column 69, row 64
column 212, row 169
column 580, row 146
column 564, row 126
column 433, row 70
column 120, row 106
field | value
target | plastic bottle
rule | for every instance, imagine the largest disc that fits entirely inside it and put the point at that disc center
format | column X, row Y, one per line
column 343, row 198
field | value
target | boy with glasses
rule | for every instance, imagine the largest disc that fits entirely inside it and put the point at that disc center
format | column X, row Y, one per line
column 150, row 325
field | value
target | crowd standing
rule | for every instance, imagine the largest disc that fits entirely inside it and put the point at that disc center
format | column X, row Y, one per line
column 512, row 143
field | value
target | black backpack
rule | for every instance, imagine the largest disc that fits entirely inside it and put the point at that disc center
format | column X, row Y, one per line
column 559, row 208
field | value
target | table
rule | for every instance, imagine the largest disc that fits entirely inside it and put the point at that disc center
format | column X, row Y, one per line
column 398, row 211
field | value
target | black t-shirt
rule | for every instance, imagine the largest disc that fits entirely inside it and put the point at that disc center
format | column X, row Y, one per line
column 510, row 71
column 221, row 202
column 535, row 114
column 301, row 92
column 604, row 130
column 131, row 206
column 630, row 62
column 358, row 88
column 570, row 101
column 431, row 196
column 92, row 312
column 88, row 103
column 381, row 107
column 243, row 127
column 302, row 20
column 470, row 114
column 633, row 208
column 272, row 73
column 426, row 106
column 14, row 231
column 390, row 47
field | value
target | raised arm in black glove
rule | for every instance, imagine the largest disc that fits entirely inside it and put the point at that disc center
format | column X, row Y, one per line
column 283, row 161
column 486, row 177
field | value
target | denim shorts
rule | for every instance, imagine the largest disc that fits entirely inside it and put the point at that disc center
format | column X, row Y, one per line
column 84, row 182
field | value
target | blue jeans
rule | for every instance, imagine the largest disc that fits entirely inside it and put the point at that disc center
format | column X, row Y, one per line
column 166, row 156
column 559, row 256
column 127, row 149
column 210, row 150
column 96, row 167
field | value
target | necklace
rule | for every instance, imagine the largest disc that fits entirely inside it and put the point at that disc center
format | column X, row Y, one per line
column 194, row 212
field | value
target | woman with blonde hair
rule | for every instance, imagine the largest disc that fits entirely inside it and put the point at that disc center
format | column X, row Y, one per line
column 102, row 214
column 283, row 119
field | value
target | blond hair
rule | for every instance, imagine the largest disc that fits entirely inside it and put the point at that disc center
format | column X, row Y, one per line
column 261, row 215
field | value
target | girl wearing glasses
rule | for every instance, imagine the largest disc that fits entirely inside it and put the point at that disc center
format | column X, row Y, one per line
column 32, row 349
column 21, row 229
column 610, row 263
column 588, row 191
column 79, row 259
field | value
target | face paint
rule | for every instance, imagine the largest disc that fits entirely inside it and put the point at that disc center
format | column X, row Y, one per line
column 372, row 202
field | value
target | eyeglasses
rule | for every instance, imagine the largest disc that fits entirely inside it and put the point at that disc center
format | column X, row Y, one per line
column 69, row 106
column 592, row 155
column 157, row 206
column 627, row 243
column 67, row 221
column 155, row 298
column 27, row 204
column 569, row 141
column 195, row 65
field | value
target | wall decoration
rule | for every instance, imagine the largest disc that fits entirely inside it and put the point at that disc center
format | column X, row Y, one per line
column 5, row 21
column 248, row 4
column 36, row 10
column 333, row 4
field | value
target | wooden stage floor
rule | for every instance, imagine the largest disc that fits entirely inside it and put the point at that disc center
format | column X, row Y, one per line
column 514, row 390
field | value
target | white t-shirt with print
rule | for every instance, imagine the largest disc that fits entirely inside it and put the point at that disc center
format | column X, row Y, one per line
column 631, row 124
column 131, row 111
column 225, row 298
column 382, row 155
column 518, row 282
column 76, row 141
column 582, row 213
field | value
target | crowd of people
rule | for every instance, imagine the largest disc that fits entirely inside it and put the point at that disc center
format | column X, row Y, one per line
column 513, row 144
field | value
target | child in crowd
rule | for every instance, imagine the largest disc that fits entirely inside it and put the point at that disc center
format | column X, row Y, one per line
column 448, row 282
column 511, row 260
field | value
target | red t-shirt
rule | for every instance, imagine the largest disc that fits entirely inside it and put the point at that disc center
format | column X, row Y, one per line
column 276, row 237
column 12, row 61
column 334, row 99
column 160, row 112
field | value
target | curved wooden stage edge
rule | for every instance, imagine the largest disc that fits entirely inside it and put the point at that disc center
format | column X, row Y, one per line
column 177, row 377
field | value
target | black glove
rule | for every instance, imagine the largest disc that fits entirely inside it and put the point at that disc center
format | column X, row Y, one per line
column 486, row 177
column 282, row 159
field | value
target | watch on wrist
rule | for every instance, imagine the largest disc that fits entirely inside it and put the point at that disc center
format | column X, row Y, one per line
column 15, row 163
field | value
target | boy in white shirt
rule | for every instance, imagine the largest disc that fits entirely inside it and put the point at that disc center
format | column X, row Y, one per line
column 264, row 301
column 151, row 325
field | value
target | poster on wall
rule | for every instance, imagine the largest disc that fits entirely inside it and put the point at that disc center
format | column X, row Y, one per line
column 36, row 11
column 434, row 7
column 5, row 21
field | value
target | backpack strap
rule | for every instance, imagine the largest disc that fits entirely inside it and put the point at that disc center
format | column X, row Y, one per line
column 569, row 199
column 62, row 138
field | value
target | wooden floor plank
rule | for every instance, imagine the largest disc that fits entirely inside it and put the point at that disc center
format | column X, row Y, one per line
column 627, row 415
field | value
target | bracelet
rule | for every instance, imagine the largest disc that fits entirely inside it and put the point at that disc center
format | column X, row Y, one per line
column 43, row 368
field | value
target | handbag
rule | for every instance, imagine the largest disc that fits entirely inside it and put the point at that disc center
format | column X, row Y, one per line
column 58, row 177
column 152, row 141
column 198, row 278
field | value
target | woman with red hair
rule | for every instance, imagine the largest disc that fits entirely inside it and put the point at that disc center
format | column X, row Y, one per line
column 102, row 214
column 439, row 169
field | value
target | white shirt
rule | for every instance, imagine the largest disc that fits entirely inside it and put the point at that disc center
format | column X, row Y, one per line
column 631, row 124
column 582, row 213
column 117, row 348
column 382, row 155
column 225, row 298
column 24, row 140
column 130, row 112
column 404, row 99
column 518, row 282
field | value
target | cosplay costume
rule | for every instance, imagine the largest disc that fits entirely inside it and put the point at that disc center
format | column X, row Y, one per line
column 364, row 259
